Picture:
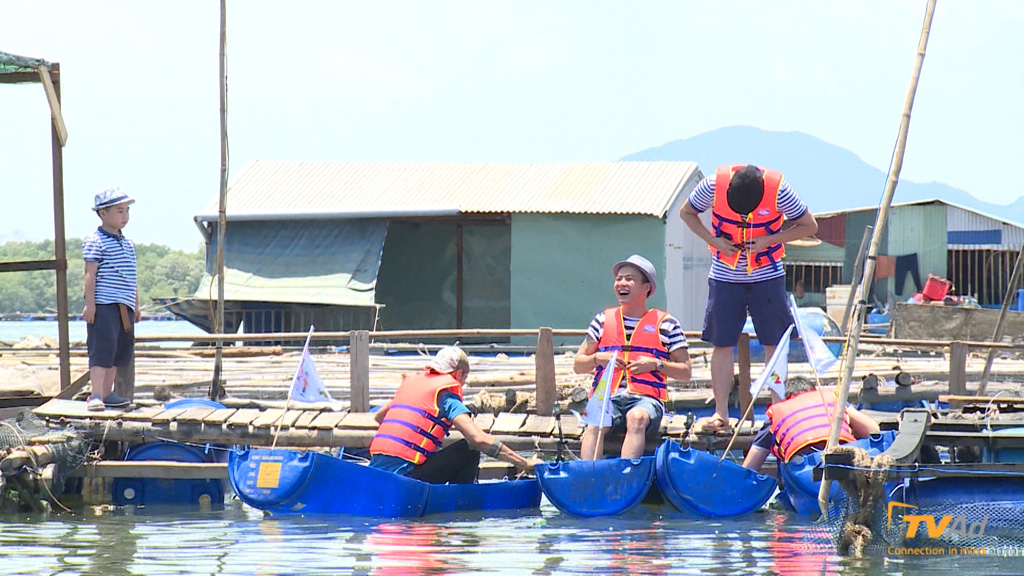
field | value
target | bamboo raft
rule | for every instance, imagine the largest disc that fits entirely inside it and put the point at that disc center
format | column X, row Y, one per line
column 257, row 379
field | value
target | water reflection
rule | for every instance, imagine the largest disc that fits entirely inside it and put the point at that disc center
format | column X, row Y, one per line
column 401, row 549
column 240, row 540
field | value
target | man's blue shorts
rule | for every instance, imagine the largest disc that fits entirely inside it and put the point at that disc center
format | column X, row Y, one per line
column 107, row 342
column 622, row 403
column 729, row 302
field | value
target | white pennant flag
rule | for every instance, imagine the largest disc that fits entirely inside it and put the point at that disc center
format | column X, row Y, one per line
column 597, row 412
column 818, row 353
column 307, row 385
column 776, row 370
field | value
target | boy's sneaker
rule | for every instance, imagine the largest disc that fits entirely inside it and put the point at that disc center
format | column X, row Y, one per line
column 114, row 401
column 94, row 404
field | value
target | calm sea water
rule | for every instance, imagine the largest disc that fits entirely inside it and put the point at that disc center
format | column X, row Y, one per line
column 241, row 540
column 14, row 330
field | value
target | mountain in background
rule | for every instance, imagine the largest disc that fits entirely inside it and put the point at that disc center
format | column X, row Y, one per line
column 825, row 176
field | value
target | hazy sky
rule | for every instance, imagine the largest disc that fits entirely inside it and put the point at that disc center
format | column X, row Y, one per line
column 488, row 81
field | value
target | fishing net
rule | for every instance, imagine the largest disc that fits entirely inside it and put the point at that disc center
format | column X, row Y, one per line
column 926, row 515
column 28, row 444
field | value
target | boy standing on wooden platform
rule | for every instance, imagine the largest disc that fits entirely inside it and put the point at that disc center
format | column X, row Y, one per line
column 111, row 297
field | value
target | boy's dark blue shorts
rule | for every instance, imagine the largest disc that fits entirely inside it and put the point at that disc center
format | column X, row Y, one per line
column 108, row 344
column 729, row 302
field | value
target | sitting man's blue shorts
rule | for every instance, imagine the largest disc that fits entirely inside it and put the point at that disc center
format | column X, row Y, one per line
column 621, row 404
column 729, row 302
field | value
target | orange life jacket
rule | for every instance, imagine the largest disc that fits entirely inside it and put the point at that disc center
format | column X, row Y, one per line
column 644, row 341
column 740, row 228
column 412, row 429
column 803, row 420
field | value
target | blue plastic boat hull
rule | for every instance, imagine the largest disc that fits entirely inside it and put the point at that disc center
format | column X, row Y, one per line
column 596, row 487
column 703, row 484
column 293, row 482
column 798, row 480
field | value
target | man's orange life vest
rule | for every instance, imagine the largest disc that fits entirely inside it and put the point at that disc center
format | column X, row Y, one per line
column 741, row 228
column 412, row 429
column 803, row 420
column 645, row 341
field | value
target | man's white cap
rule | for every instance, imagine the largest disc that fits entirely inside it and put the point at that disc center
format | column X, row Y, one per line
column 448, row 360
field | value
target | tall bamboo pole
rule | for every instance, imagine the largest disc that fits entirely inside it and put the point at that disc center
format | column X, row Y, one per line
column 853, row 337
column 997, row 335
column 222, row 220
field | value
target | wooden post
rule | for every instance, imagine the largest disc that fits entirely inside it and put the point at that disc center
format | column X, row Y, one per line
column 743, row 352
column 957, row 368
column 544, row 361
column 216, row 389
column 359, row 371
column 59, row 242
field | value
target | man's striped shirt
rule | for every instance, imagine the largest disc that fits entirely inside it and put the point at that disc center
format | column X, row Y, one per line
column 670, row 331
column 789, row 204
column 116, row 275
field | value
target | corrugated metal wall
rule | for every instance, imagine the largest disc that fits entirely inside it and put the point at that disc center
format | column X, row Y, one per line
column 687, row 262
column 921, row 230
column 561, row 266
column 961, row 220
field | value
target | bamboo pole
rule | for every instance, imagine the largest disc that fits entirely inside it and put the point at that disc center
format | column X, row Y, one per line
column 858, row 266
column 222, row 221
column 853, row 337
column 998, row 333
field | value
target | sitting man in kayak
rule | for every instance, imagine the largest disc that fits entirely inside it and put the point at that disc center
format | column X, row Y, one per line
column 801, row 424
column 649, row 346
column 414, row 423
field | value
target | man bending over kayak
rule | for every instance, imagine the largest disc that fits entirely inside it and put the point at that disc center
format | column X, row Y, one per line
column 414, row 423
column 801, row 424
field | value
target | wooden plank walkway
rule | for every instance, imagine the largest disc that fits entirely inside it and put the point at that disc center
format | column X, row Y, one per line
column 324, row 429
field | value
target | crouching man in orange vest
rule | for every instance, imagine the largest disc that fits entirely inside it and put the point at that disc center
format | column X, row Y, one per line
column 414, row 423
column 801, row 424
column 649, row 346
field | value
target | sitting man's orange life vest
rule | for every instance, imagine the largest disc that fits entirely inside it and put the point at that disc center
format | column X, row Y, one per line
column 740, row 228
column 803, row 420
column 645, row 341
column 412, row 429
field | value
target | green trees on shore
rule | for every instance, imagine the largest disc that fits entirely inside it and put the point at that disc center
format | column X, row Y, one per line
column 162, row 272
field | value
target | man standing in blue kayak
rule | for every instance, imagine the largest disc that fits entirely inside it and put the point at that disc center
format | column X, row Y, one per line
column 649, row 346
column 802, row 423
column 414, row 423
column 748, row 207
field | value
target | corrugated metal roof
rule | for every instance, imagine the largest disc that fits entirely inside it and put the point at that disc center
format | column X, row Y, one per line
column 961, row 218
column 919, row 203
column 281, row 189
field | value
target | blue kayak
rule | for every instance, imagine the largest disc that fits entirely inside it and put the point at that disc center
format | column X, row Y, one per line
column 596, row 487
column 704, row 484
column 294, row 482
column 798, row 474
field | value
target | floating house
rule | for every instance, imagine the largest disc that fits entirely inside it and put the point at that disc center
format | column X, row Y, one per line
column 976, row 252
column 389, row 246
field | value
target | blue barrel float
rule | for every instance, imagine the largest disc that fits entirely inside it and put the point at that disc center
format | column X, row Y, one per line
column 590, row 488
column 172, row 491
column 706, row 485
